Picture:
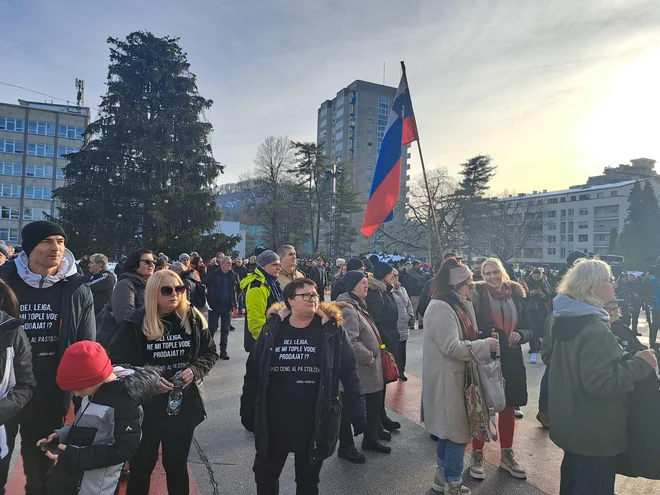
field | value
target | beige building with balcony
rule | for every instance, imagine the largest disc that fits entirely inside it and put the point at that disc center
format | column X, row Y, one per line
column 34, row 138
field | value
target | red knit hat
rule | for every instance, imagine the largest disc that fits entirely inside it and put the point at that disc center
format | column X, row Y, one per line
column 83, row 365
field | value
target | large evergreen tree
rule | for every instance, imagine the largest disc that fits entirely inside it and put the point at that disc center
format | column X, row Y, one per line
column 639, row 241
column 145, row 174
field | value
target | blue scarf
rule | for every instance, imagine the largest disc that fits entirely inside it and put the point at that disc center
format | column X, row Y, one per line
column 274, row 285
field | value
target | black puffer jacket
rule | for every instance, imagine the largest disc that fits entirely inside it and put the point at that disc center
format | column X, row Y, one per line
column 338, row 364
column 12, row 336
column 513, row 366
column 383, row 309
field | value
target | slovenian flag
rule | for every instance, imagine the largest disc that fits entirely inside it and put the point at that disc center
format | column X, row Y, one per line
column 401, row 130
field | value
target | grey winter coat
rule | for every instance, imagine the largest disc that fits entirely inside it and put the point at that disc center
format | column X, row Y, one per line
column 128, row 295
column 404, row 304
column 360, row 329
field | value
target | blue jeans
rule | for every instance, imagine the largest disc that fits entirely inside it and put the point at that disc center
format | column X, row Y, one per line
column 450, row 458
column 543, row 393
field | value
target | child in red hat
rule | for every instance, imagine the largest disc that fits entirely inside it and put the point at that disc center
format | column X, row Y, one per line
column 90, row 452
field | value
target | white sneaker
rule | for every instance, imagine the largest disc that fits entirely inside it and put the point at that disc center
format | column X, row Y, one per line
column 533, row 358
column 517, row 413
column 477, row 465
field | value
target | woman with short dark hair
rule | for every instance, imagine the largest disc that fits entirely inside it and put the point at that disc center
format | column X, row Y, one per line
column 291, row 388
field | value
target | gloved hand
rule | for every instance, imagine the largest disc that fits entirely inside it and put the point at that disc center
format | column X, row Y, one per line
column 411, row 322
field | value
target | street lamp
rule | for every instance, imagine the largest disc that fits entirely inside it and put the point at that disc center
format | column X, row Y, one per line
column 333, row 173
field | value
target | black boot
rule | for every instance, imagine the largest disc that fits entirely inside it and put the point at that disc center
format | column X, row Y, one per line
column 383, row 434
column 223, row 355
column 377, row 447
column 351, row 454
column 389, row 424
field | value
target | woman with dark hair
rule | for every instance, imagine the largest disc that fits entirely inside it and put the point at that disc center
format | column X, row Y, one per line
column 450, row 331
column 383, row 309
column 499, row 304
column 291, row 396
column 15, row 356
column 128, row 294
column 197, row 264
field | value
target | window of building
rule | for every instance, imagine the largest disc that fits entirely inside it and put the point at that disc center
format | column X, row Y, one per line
column 339, row 112
column 383, row 111
column 10, row 213
column 36, row 149
column 552, row 226
column 339, row 135
column 384, row 100
column 324, row 112
column 10, row 190
column 382, row 123
column 552, row 238
column 10, row 168
column 339, row 146
column 584, row 197
column 571, row 212
column 7, row 146
column 379, row 143
column 614, row 193
column 323, row 123
column 66, row 150
column 12, row 125
column 339, row 125
column 570, row 237
column 340, row 102
column 573, row 198
column 600, row 195
column 583, row 225
column 7, row 234
column 584, row 211
column 34, row 192
column 323, row 134
column 552, row 251
column 552, row 201
column 39, row 171
column 599, row 238
column 562, row 238
column 552, row 214
column 381, row 134
column 563, row 253
column 41, row 128
column 71, row 132
column 583, row 238
column 60, row 173
column 562, row 200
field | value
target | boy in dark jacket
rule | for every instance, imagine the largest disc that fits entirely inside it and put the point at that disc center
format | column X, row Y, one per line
column 107, row 429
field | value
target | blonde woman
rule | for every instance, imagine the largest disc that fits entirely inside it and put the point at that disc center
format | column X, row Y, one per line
column 171, row 334
column 499, row 304
column 589, row 380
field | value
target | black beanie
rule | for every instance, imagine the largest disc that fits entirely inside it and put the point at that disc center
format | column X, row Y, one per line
column 35, row 232
column 352, row 278
column 354, row 264
column 381, row 270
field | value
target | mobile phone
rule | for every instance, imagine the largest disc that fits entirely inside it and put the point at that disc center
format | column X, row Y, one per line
column 52, row 447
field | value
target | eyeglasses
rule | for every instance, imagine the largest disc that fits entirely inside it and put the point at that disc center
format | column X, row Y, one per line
column 148, row 262
column 395, row 276
column 307, row 297
column 167, row 290
column 491, row 274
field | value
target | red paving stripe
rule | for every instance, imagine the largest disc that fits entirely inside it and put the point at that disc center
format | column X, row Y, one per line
column 534, row 450
column 16, row 483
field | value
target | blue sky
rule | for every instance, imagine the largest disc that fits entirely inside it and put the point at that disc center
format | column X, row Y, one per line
column 554, row 91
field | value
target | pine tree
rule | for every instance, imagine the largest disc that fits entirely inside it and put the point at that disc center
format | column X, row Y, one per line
column 639, row 241
column 145, row 174
column 477, row 173
column 614, row 239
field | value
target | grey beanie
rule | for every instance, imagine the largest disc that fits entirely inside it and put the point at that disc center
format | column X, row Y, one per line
column 267, row 257
column 4, row 250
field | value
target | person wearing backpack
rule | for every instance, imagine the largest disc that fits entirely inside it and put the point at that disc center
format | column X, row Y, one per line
column 222, row 288
column 195, row 290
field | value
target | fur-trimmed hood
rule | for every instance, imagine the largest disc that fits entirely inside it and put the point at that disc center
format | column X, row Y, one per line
column 375, row 284
column 328, row 311
column 142, row 382
column 516, row 288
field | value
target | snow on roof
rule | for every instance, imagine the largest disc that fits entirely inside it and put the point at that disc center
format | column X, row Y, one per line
column 574, row 190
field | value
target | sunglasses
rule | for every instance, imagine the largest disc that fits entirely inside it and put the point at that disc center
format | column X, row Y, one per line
column 167, row 290
column 148, row 262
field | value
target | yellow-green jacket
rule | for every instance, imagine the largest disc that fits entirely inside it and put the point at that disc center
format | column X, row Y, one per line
column 258, row 298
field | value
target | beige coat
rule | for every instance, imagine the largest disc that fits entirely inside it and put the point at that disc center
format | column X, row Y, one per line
column 443, row 378
column 286, row 277
column 365, row 343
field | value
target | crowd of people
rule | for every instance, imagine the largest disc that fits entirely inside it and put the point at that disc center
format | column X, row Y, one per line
column 130, row 351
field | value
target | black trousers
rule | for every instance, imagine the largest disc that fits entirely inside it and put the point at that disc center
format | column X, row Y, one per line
column 586, row 475
column 175, row 435
column 402, row 355
column 224, row 318
column 38, row 425
column 653, row 327
column 373, row 402
column 267, row 473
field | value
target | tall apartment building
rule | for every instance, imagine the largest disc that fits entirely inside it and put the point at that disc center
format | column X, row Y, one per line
column 639, row 168
column 34, row 138
column 352, row 126
column 577, row 219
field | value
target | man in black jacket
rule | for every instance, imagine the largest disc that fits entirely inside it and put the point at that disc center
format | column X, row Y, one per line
column 101, row 281
column 58, row 309
column 221, row 286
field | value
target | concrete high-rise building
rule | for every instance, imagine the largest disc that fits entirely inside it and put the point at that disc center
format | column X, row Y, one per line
column 34, row 138
column 352, row 126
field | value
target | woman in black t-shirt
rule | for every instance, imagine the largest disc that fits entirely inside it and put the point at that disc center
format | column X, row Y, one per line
column 171, row 334
column 291, row 389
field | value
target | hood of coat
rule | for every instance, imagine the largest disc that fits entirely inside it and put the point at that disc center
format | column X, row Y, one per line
column 328, row 311
column 572, row 316
column 66, row 269
column 517, row 289
column 251, row 277
column 8, row 322
column 134, row 277
column 142, row 383
column 375, row 284
column 188, row 274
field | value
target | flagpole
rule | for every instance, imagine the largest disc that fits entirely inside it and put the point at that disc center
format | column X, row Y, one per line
column 421, row 158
